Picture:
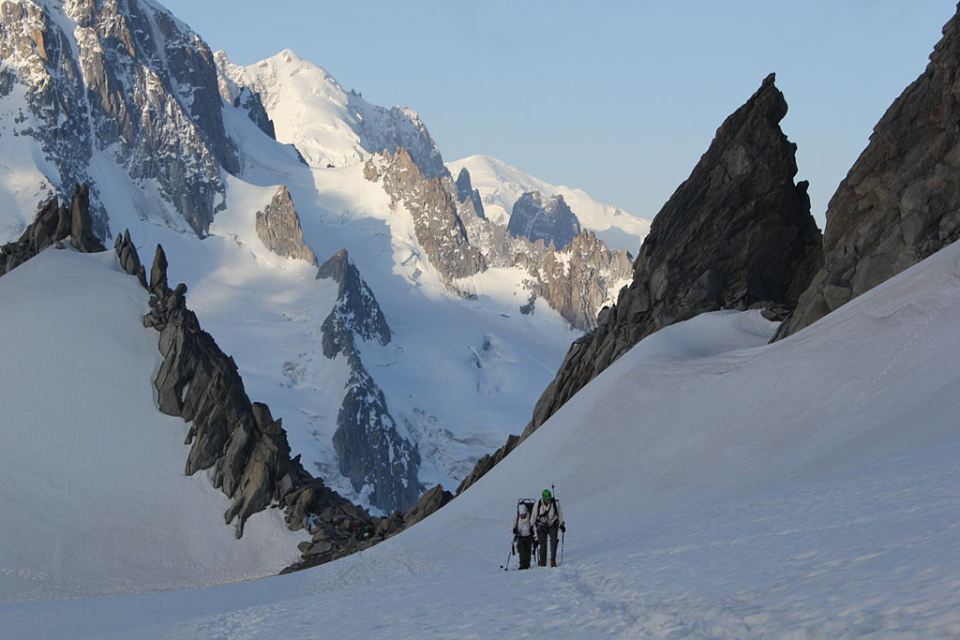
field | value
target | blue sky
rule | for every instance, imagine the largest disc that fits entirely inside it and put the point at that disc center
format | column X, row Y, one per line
column 619, row 98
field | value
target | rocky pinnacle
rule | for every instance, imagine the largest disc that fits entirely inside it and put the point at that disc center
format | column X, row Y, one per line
column 737, row 233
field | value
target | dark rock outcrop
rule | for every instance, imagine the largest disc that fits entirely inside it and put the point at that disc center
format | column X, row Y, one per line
column 736, row 234
column 439, row 229
column 547, row 219
column 429, row 503
column 130, row 258
column 466, row 193
column 901, row 200
column 370, row 450
column 278, row 226
column 250, row 103
column 53, row 224
column 328, row 525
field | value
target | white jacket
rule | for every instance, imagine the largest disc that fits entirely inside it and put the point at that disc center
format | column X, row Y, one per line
column 523, row 525
column 551, row 515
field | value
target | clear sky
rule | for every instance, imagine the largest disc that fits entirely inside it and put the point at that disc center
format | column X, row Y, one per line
column 617, row 97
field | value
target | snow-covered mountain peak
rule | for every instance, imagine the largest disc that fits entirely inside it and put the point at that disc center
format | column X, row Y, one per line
column 329, row 125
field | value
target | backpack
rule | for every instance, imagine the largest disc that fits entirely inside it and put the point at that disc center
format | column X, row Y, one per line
column 529, row 503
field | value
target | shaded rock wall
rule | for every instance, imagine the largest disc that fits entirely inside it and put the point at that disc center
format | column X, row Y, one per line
column 900, row 202
column 737, row 233
column 547, row 219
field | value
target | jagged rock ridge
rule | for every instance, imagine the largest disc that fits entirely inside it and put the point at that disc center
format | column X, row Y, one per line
column 547, row 219
column 900, row 202
column 737, row 233
column 371, row 452
column 577, row 280
column 459, row 241
column 239, row 441
column 53, row 224
column 278, row 226
column 439, row 229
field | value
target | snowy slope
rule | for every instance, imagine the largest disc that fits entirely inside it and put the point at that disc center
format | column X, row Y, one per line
column 93, row 499
column 501, row 185
column 714, row 486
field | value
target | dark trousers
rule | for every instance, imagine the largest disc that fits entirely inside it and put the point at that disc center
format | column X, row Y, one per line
column 553, row 532
column 524, row 548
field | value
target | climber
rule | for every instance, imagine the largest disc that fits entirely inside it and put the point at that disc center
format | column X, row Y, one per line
column 548, row 520
column 523, row 534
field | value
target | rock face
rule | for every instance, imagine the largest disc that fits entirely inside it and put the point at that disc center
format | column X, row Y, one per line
column 370, row 450
column 431, row 501
column 125, row 78
column 466, row 193
column 548, row 219
column 439, row 229
column 578, row 280
column 52, row 225
column 901, row 200
column 278, row 226
column 460, row 241
column 249, row 102
column 130, row 258
column 737, row 233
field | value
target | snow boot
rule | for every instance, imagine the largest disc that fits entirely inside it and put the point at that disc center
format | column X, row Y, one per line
column 553, row 563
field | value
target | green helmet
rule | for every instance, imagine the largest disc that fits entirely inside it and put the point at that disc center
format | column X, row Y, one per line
column 546, row 494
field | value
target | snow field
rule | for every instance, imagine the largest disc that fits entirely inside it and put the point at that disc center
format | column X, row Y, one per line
column 714, row 486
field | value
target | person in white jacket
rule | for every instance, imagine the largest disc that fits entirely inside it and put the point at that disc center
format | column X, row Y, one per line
column 548, row 520
column 523, row 535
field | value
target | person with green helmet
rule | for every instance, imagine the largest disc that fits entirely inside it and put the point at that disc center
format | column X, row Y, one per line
column 547, row 517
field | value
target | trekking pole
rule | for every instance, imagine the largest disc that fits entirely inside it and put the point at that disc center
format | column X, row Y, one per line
column 513, row 550
column 563, row 534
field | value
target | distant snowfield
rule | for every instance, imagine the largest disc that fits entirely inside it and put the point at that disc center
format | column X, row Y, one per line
column 93, row 499
column 714, row 486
